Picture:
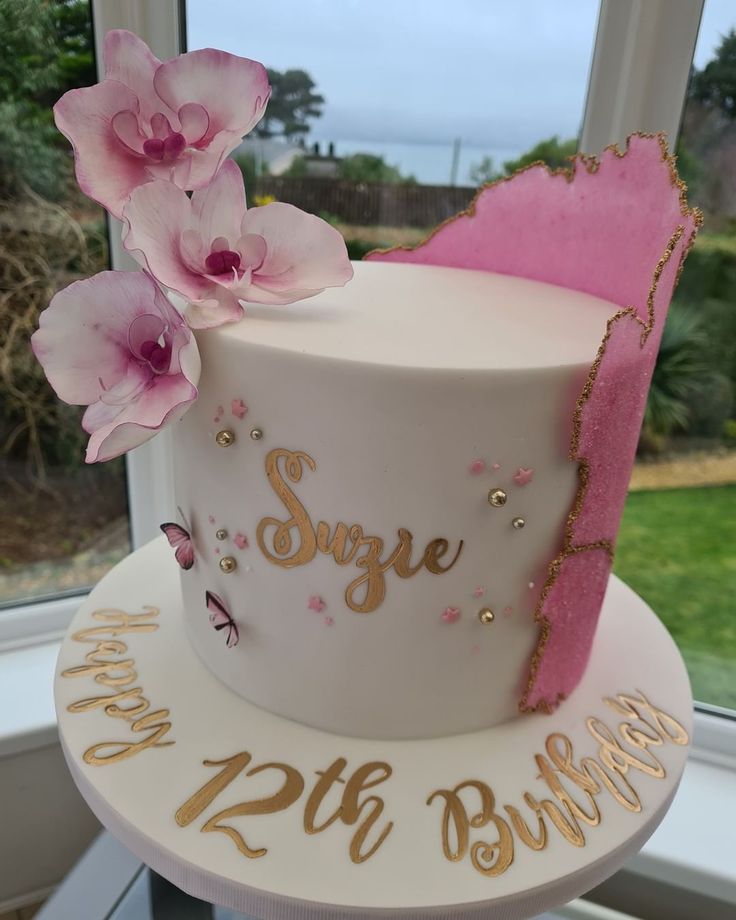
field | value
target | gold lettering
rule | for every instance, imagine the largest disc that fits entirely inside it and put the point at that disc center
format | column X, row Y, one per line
column 282, row 540
column 619, row 752
column 296, row 540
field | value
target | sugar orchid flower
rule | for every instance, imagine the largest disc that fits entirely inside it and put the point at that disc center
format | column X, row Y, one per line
column 115, row 344
column 147, row 119
column 216, row 253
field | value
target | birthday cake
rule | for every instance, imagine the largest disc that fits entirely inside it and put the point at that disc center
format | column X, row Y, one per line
column 397, row 498
column 376, row 664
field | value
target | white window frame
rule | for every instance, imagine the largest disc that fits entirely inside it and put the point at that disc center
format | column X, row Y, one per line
column 638, row 79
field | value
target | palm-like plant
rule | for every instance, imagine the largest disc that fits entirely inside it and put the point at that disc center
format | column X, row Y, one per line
column 681, row 375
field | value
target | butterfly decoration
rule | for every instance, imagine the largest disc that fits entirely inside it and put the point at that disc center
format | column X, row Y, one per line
column 181, row 542
column 221, row 619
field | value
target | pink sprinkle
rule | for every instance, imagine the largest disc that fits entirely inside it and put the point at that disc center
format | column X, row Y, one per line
column 496, row 466
column 316, row 603
column 211, row 519
column 217, row 550
column 451, row 615
column 475, row 649
column 240, row 540
column 238, row 408
column 523, row 476
column 479, row 591
column 329, row 621
column 507, row 611
column 477, row 466
column 531, row 584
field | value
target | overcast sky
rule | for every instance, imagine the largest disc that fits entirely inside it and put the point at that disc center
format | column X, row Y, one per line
column 494, row 72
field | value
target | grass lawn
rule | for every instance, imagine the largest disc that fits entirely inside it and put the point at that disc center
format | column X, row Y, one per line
column 677, row 549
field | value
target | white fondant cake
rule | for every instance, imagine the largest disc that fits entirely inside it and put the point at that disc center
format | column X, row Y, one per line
column 337, row 472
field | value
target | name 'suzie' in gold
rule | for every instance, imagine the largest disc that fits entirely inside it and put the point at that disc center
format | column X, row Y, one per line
column 106, row 665
column 296, row 540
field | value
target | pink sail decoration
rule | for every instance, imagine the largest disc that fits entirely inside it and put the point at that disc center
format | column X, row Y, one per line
column 617, row 227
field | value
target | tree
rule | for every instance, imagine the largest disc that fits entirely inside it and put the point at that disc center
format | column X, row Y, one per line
column 552, row 151
column 714, row 86
column 367, row 167
column 292, row 104
column 45, row 49
column 483, row 172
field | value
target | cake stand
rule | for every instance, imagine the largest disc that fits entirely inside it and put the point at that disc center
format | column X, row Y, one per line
column 278, row 820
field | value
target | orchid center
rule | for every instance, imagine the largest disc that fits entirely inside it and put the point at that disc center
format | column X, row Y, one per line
column 149, row 339
column 165, row 148
column 222, row 261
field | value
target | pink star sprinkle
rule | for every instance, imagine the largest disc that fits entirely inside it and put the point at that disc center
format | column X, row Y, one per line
column 477, row 466
column 329, row 621
column 507, row 611
column 479, row 591
column 238, row 408
column 451, row 615
column 211, row 519
column 316, row 603
column 219, row 412
column 217, row 550
column 240, row 540
column 496, row 466
column 522, row 477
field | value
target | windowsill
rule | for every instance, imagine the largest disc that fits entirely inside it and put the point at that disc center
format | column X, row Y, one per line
column 693, row 847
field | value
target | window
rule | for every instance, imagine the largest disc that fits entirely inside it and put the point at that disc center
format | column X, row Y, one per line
column 677, row 546
column 64, row 524
column 394, row 128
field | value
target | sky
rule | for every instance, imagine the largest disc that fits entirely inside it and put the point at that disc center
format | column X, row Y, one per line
column 496, row 73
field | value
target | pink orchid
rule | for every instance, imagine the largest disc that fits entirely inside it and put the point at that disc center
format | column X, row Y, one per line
column 216, row 253
column 175, row 120
column 115, row 344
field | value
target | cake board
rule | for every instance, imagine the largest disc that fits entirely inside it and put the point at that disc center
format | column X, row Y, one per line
column 266, row 816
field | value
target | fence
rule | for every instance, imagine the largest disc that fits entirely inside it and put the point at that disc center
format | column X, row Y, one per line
column 370, row 204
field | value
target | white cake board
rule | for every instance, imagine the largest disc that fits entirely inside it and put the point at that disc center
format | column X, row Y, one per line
column 311, row 875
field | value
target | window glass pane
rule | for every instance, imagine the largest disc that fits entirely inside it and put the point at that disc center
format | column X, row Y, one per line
column 63, row 524
column 403, row 108
column 677, row 546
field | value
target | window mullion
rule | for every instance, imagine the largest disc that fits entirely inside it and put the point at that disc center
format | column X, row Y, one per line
column 640, row 70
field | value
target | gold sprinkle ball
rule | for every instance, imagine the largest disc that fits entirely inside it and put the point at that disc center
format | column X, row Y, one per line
column 518, row 523
column 486, row 616
column 497, row 498
column 256, row 434
column 221, row 534
column 228, row 564
column 224, row 438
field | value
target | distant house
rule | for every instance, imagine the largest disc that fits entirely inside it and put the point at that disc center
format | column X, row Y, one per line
column 276, row 154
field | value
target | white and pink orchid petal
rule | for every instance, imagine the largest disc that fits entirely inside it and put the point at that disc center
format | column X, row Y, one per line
column 218, row 208
column 195, row 122
column 177, row 171
column 208, row 313
column 106, row 169
column 192, row 250
column 155, row 218
column 164, row 402
column 252, row 248
column 129, row 61
column 127, row 131
column 305, row 254
column 83, row 334
column 233, row 90
column 161, row 126
column 112, row 401
column 205, row 163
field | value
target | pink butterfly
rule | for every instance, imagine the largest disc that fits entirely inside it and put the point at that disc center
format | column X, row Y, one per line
column 221, row 619
column 181, row 542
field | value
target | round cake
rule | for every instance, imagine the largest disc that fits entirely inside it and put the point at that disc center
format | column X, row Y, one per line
column 376, row 481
